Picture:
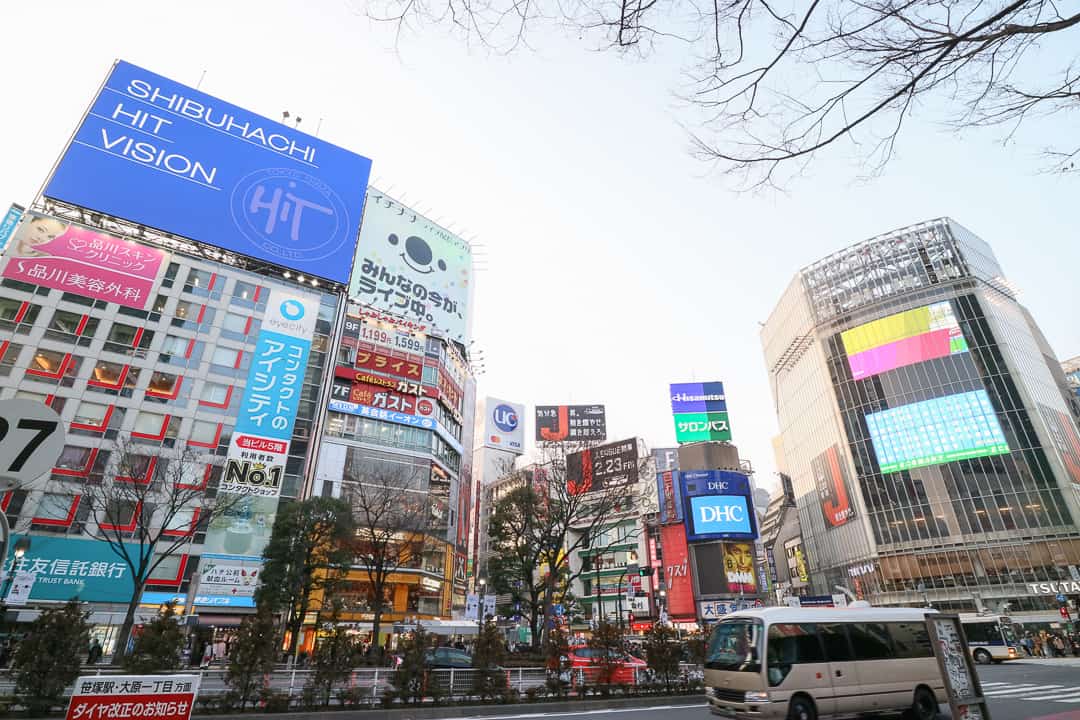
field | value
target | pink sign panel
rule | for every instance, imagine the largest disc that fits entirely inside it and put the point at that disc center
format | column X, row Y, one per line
column 920, row 348
column 50, row 252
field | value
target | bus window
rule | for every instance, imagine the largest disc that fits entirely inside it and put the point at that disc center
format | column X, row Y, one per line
column 735, row 645
column 870, row 641
column 911, row 640
column 791, row 644
column 834, row 637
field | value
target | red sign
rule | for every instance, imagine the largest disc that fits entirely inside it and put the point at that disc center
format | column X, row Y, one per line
column 449, row 391
column 249, row 442
column 400, row 367
column 384, row 399
column 153, row 697
column 680, row 591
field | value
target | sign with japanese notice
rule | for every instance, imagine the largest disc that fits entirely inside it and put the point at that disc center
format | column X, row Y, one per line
column 558, row 423
column 413, row 268
column 383, row 333
column 53, row 253
column 377, row 396
column 260, row 442
column 602, row 467
column 147, row 697
column 411, row 368
column 224, row 576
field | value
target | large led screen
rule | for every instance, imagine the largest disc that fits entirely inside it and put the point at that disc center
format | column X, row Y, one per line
column 905, row 338
column 931, row 432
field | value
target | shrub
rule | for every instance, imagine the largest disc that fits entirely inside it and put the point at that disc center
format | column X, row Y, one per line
column 157, row 647
column 275, row 701
column 47, row 660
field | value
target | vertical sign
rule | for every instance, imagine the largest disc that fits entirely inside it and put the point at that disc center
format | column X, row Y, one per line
column 7, row 225
column 966, row 699
column 833, row 486
column 680, row 602
column 667, row 486
column 700, row 412
column 264, row 427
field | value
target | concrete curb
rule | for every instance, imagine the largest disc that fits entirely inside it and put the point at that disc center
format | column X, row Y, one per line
column 468, row 711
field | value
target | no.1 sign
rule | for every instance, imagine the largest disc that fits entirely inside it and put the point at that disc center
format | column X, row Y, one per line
column 31, row 439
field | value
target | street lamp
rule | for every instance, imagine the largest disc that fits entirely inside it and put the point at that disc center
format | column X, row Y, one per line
column 21, row 546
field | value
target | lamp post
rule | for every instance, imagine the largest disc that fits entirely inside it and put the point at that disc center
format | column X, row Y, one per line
column 482, row 614
column 21, row 546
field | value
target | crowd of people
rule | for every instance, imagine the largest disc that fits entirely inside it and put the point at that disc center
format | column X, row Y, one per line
column 1051, row 644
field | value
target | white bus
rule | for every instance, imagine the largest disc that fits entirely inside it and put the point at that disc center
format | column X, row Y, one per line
column 991, row 639
column 808, row 663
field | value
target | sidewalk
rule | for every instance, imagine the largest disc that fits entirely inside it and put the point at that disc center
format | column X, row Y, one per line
column 414, row 712
column 1062, row 662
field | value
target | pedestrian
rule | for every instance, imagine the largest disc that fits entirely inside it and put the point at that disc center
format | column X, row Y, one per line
column 1029, row 645
column 1059, row 646
column 94, row 653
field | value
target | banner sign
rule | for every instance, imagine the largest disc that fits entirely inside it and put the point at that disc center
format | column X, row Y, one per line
column 244, row 529
column 63, row 568
column 408, row 265
column 411, row 368
column 383, row 334
column 147, row 697
column 698, row 397
column 504, row 426
column 668, row 492
column 229, row 577
column 9, row 222
column 717, row 505
column 55, row 254
column 833, row 487
column 383, row 398
column 680, row 598
column 167, row 156
column 701, row 427
column 556, row 423
column 602, row 467
column 399, row 418
column 260, row 442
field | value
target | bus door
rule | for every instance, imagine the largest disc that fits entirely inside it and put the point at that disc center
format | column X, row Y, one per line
column 843, row 671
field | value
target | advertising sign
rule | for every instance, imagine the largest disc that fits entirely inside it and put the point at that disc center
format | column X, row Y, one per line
column 680, row 597
column 602, row 467
column 666, row 459
column 148, row 697
column 833, row 487
column 228, row 577
column 556, row 423
column 167, row 156
column 1063, row 434
column 50, row 252
column 64, row 568
column 504, row 426
column 384, row 334
column 906, row 338
column 411, row 267
column 411, row 368
column 383, row 398
column 936, row 431
column 244, row 529
column 697, row 397
column 667, row 487
column 7, row 224
column 717, row 505
column 739, row 568
column 260, row 441
column 391, row 416
column 702, row 426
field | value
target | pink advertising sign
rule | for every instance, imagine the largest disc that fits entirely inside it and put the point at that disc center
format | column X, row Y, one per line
column 50, row 252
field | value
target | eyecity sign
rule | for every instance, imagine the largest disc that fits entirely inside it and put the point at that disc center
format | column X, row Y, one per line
column 717, row 505
column 165, row 155
column 1065, row 587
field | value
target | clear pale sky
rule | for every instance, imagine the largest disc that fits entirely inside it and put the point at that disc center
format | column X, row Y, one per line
column 613, row 263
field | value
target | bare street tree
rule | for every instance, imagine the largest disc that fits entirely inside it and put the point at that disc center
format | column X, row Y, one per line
column 147, row 507
column 776, row 83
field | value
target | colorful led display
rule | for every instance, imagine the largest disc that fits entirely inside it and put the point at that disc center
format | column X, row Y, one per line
column 905, row 338
column 931, row 432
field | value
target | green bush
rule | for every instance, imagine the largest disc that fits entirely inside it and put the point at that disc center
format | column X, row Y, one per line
column 46, row 662
column 274, row 701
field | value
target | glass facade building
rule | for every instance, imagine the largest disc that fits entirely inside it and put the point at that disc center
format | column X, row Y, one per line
column 925, row 427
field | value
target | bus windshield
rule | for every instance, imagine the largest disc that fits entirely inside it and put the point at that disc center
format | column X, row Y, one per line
column 735, row 645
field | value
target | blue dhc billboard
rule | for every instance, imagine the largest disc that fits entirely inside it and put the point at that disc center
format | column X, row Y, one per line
column 717, row 505
column 165, row 155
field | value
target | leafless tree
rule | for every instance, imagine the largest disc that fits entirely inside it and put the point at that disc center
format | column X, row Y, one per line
column 147, row 507
column 776, row 83
column 390, row 512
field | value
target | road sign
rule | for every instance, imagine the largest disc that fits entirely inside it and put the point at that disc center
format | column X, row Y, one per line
column 21, row 588
column 1059, row 597
column 31, row 439
column 147, row 697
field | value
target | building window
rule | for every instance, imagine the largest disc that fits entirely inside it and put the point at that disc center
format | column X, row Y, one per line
column 199, row 282
column 110, row 375
column 155, row 426
column 182, row 523
column 216, row 394
column 17, row 315
column 138, row 469
column 121, row 515
column 9, row 355
column 124, row 338
column 226, row 357
column 159, row 303
column 236, row 326
column 170, row 275
column 170, row 571
column 53, row 364
column 205, row 434
column 246, row 294
column 92, row 416
column 75, row 460
column 164, row 385
column 192, row 475
column 56, row 509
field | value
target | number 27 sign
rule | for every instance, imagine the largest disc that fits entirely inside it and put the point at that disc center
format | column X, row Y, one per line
column 31, row 439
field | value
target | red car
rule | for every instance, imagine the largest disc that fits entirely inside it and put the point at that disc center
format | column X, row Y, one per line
column 587, row 666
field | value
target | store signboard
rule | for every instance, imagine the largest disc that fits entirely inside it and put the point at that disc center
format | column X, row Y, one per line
column 146, row 697
column 717, row 505
column 559, row 423
column 64, row 568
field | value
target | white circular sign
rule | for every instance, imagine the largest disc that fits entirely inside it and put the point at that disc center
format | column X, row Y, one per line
column 31, row 439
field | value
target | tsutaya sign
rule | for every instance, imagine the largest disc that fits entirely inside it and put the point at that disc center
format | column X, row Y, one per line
column 1063, row 587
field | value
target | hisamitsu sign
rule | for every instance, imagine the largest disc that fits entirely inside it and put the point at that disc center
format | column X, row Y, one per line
column 165, row 155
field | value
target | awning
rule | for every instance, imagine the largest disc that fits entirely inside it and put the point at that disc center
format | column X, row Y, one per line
column 220, row 620
column 441, row 627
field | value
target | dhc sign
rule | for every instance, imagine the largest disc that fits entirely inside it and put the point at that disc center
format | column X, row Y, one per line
column 717, row 505
column 719, row 515
column 167, row 156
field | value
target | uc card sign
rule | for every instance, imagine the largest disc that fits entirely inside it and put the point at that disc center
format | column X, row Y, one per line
column 717, row 505
column 165, row 155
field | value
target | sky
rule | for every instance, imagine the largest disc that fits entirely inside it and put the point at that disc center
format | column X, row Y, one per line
column 610, row 261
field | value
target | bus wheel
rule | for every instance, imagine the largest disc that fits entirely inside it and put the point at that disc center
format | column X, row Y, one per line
column 801, row 707
column 925, row 705
column 982, row 657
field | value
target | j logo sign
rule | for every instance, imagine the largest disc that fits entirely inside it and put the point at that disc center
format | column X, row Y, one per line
column 720, row 514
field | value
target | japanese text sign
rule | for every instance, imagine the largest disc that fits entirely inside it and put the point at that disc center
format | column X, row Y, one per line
column 50, row 252
column 8, row 222
column 64, row 568
column 264, row 426
column 602, row 467
column 556, row 423
column 147, row 697
column 411, row 267
column 699, row 427
column 230, row 577
column 391, row 416
column 165, row 155
column 373, row 395
column 411, row 368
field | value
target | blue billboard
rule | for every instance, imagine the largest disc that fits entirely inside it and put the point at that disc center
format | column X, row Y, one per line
column 64, row 568
column 697, row 397
column 165, row 155
column 717, row 505
column 7, row 224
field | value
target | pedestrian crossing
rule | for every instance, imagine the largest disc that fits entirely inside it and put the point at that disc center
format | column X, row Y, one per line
column 1032, row 691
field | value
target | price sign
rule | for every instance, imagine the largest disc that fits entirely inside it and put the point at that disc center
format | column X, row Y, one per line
column 31, row 439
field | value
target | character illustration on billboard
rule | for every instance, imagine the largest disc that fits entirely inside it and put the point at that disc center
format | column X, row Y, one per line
column 831, row 480
column 47, row 251
column 739, row 568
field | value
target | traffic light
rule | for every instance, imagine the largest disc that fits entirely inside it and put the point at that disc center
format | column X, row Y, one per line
column 645, row 571
column 1064, row 610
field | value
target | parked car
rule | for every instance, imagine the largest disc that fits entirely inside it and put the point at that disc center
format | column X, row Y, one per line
column 586, row 665
column 445, row 657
